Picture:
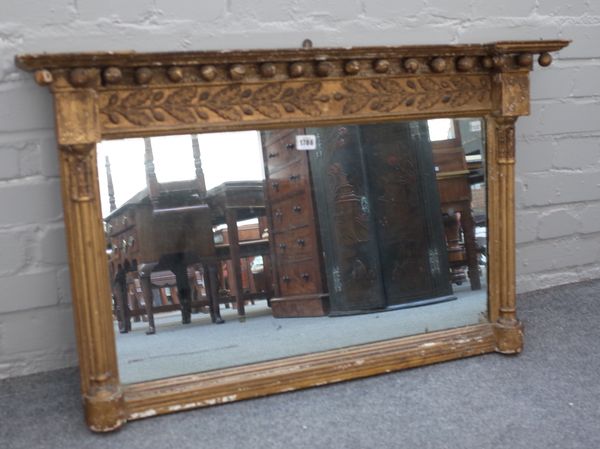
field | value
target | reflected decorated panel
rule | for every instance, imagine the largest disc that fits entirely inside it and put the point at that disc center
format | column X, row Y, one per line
column 226, row 249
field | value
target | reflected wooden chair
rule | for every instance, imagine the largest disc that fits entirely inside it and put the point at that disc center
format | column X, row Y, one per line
column 166, row 226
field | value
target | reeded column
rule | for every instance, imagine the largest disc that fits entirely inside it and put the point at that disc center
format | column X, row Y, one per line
column 501, row 272
column 102, row 396
column 77, row 131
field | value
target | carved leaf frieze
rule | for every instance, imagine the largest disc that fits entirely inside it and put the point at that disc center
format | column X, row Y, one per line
column 164, row 106
column 387, row 95
column 190, row 104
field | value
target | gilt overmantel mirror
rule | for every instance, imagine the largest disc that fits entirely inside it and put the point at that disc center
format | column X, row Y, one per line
column 254, row 222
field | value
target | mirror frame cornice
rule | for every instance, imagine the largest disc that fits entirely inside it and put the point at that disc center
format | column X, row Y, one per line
column 118, row 95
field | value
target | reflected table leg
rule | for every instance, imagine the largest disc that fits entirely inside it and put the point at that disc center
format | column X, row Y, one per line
column 234, row 250
column 147, row 293
column 122, row 306
column 183, row 290
column 210, row 276
column 468, row 225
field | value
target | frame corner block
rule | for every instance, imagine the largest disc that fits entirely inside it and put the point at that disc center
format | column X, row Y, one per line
column 511, row 94
column 77, row 117
column 104, row 408
column 509, row 336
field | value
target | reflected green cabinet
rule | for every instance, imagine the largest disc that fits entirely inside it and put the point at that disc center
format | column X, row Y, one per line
column 380, row 218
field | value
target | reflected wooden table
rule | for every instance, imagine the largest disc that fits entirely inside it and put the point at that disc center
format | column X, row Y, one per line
column 145, row 240
column 229, row 203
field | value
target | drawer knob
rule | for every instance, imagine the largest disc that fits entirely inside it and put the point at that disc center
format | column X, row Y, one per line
column 275, row 185
column 294, row 177
column 286, row 278
column 278, row 214
column 300, row 242
column 305, row 276
column 297, row 209
column 272, row 155
column 290, row 146
column 282, row 246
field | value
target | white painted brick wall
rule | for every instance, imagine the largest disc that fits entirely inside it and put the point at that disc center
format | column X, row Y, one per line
column 558, row 160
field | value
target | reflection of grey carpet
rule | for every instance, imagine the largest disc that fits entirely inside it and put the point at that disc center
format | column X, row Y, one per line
column 548, row 397
column 177, row 349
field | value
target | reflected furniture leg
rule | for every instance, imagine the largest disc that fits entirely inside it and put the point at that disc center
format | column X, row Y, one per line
column 135, row 298
column 468, row 225
column 147, row 292
column 122, row 306
column 179, row 268
column 234, row 248
column 267, row 270
column 457, row 254
column 210, row 276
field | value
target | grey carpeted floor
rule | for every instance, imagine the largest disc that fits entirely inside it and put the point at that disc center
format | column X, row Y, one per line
column 548, row 397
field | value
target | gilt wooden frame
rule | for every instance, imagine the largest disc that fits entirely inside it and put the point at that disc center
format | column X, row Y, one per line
column 119, row 95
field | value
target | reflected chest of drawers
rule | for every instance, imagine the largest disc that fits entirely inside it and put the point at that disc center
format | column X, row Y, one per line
column 293, row 230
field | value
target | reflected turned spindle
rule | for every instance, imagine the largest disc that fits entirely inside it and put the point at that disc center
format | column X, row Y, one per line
column 151, row 180
column 111, row 187
column 198, row 164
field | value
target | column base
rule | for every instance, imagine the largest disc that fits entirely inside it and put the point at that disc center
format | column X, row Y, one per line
column 104, row 408
column 509, row 336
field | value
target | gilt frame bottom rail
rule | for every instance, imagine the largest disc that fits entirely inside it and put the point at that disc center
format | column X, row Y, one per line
column 261, row 379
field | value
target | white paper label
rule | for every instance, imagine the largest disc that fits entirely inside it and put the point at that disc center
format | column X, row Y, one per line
column 306, row 142
column 475, row 126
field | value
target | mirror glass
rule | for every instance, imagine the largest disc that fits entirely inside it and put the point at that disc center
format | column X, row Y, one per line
column 226, row 249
